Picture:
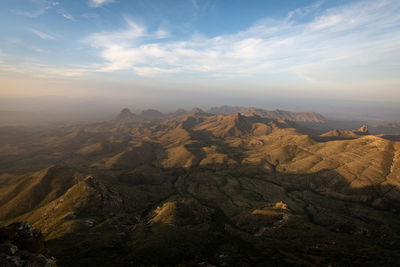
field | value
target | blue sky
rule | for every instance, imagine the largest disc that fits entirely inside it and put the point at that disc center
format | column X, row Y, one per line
column 276, row 48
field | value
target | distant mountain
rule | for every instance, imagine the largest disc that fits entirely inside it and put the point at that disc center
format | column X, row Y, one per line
column 274, row 114
column 126, row 116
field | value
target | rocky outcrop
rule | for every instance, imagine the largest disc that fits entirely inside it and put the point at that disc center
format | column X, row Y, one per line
column 363, row 130
column 21, row 245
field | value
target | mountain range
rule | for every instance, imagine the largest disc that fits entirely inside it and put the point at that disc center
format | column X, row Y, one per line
column 227, row 186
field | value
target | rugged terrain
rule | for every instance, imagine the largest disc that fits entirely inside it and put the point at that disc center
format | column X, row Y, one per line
column 202, row 188
column 20, row 245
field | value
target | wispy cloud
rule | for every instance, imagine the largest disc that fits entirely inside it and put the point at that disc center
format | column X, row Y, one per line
column 42, row 35
column 326, row 21
column 352, row 34
column 63, row 12
column 304, row 11
column 99, row 3
column 202, row 6
column 42, row 7
column 114, row 46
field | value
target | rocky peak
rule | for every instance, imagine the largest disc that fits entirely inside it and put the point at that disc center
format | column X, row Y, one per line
column 363, row 129
column 125, row 112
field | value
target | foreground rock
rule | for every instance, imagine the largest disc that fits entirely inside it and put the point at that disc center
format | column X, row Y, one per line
column 21, row 245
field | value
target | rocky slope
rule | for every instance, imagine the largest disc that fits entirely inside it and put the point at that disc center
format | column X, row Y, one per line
column 57, row 200
column 21, row 245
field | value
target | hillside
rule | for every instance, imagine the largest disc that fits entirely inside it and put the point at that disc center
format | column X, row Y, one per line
column 241, row 189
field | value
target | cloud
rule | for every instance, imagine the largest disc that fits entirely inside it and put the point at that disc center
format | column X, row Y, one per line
column 326, row 21
column 99, row 3
column 302, row 12
column 201, row 7
column 42, row 7
column 65, row 14
column 108, row 39
column 348, row 44
column 42, row 35
column 336, row 36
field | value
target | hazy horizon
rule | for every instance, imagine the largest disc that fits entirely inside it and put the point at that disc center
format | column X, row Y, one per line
column 81, row 109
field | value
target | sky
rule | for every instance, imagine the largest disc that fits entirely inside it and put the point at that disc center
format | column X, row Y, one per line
column 201, row 49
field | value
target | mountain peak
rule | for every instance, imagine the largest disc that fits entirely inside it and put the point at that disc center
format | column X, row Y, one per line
column 125, row 112
column 126, row 116
column 363, row 129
